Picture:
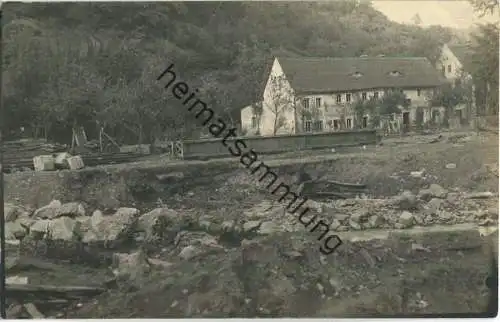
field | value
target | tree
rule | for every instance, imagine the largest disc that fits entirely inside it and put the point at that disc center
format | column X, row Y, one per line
column 281, row 101
column 448, row 96
column 227, row 43
column 416, row 19
column 362, row 108
column 484, row 7
column 391, row 101
column 484, row 67
column 257, row 110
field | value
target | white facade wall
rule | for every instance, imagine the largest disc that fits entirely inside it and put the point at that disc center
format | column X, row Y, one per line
column 288, row 114
column 449, row 63
column 337, row 115
column 248, row 125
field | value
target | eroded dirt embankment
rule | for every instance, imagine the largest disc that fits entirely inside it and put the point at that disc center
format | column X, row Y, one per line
column 469, row 165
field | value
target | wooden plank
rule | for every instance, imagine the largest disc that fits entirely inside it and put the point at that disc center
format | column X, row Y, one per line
column 347, row 185
column 329, row 194
column 25, row 292
column 33, row 311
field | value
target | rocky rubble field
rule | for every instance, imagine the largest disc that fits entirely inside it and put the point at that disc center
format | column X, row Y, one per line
column 261, row 262
column 230, row 251
column 75, row 222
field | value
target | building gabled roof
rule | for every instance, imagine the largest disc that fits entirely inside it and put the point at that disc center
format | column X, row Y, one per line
column 463, row 54
column 326, row 75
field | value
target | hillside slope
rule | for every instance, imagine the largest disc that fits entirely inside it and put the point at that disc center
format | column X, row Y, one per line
column 68, row 63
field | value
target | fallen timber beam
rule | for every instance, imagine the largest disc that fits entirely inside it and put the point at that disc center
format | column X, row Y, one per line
column 346, row 185
column 50, row 291
column 33, row 311
column 330, row 194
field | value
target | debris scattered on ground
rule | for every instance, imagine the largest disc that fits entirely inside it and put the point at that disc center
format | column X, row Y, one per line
column 57, row 162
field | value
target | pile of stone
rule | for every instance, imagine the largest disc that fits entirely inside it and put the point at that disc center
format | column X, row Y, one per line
column 189, row 231
column 62, row 160
column 430, row 206
column 73, row 222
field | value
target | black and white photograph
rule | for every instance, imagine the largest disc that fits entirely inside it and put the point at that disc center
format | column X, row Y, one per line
column 249, row 159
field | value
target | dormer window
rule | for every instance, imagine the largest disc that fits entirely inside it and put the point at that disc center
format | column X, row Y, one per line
column 356, row 74
column 395, row 73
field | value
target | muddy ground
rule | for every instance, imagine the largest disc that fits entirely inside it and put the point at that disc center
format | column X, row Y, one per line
column 283, row 274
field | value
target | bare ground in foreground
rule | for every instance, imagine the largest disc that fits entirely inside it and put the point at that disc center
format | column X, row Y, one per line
column 284, row 274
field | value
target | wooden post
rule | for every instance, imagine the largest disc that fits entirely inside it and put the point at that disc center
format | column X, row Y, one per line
column 3, row 309
column 100, row 139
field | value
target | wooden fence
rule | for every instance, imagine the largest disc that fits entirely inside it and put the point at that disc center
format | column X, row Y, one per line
column 214, row 148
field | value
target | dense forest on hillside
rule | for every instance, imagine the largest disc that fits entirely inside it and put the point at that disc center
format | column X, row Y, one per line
column 68, row 64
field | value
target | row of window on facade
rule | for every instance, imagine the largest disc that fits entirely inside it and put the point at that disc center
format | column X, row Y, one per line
column 306, row 102
column 317, row 125
column 443, row 69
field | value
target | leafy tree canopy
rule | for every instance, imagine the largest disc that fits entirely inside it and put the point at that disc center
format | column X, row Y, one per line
column 67, row 64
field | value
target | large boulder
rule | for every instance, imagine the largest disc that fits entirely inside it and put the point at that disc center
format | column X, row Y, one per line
column 157, row 220
column 72, row 209
column 194, row 244
column 434, row 191
column 40, row 228
column 59, row 229
column 111, row 229
column 130, row 268
column 49, row 211
column 13, row 212
column 66, row 229
column 406, row 219
column 14, row 231
column 406, row 201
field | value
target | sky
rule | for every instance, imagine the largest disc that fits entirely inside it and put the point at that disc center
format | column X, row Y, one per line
column 448, row 13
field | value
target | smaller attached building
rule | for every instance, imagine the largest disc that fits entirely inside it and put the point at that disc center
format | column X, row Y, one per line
column 453, row 61
column 454, row 64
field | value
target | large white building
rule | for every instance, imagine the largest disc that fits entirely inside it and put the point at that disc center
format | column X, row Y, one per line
column 318, row 94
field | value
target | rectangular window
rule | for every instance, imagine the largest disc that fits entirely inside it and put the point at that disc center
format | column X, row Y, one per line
column 339, row 98
column 336, row 124
column 254, row 122
column 365, row 122
column 363, row 96
column 305, row 103
column 318, row 125
column 449, row 68
column 348, row 98
column 318, row 102
column 375, row 95
column 307, row 126
column 418, row 92
column 330, row 123
column 443, row 70
column 348, row 123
